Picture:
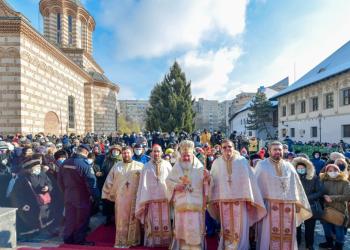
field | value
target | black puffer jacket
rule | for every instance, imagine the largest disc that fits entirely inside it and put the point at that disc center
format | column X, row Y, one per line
column 312, row 184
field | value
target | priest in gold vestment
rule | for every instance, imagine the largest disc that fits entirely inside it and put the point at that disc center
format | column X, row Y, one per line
column 152, row 205
column 121, row 187
column 235, row 198
column 285, row 200
column 187, row 186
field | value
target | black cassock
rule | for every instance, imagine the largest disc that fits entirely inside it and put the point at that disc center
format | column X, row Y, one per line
column 38, row 216
column 5, row 177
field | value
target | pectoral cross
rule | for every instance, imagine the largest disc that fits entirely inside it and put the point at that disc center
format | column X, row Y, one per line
column 127, row 184
column 284, row 186
column 229, row 180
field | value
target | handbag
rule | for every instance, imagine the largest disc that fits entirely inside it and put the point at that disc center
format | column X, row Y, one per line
column 317, row 209
column 333, row 216
column 42, row 199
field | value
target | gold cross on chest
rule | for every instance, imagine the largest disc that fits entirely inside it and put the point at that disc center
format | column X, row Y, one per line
column 229, row 180
column 229, row 171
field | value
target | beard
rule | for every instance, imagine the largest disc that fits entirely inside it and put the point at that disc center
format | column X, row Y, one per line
column 127, row 160
column 186, row 164
column 276, row 157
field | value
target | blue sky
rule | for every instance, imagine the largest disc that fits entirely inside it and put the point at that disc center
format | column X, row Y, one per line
column 224, row 46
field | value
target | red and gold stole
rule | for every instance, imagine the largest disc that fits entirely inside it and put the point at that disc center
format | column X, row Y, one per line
column 281, row 225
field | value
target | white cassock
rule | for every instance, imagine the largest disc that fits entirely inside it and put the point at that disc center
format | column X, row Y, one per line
column 189, row 206
column 234, row 200
column 283, row 196
column 152, row 205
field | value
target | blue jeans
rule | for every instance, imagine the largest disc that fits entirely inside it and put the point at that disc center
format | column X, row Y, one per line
column 338, row 230
column 211, row 224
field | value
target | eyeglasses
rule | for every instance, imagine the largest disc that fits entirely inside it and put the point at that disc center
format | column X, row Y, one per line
column 225, row 147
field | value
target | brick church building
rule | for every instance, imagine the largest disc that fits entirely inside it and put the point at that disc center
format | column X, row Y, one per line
column 51, row 83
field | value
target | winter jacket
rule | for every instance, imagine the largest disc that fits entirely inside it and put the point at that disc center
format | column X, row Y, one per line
column 319, row 164
column 313, row 187
column 339, row 191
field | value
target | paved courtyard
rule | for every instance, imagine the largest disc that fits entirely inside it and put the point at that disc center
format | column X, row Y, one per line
column 44, row 240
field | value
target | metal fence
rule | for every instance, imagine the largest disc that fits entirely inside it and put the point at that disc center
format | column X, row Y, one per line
column 309, row 149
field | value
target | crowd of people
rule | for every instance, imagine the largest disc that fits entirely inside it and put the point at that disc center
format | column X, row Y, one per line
column 173, row 189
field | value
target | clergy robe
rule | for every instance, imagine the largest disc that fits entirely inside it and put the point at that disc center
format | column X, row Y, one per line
column 189, row 206
column 121, row 187
column 286, row 203
column 235, row 200
column 24, row 192
column 152, row 206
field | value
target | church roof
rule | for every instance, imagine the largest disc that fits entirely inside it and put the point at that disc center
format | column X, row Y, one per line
column 78, row 2
column 99, row 77
column 336, row 63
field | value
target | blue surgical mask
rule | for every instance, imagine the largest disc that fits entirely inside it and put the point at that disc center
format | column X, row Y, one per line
column 301, row 171
column 90, row 161
column 115, row 153
column 61, row 161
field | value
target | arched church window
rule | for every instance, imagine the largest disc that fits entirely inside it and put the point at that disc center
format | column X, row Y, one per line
column 71, row 112
column 59, row 26
column 70, row 30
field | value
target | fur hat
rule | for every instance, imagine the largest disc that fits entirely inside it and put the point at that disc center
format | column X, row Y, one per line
column 31, row 162
column 310, row 169
column 336, row 155
column 332, row 165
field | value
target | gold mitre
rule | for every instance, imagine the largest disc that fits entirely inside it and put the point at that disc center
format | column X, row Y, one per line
column 186, row 146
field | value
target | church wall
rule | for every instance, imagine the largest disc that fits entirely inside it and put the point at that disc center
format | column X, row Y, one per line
column 105, row 104
column 10, row 77
column 46, row 83
column 89, row 107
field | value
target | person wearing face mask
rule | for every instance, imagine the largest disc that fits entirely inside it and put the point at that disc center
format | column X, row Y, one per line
column 113, row 157
column 79, row 186
column 337, row 196
column 57, row 203
column 33, row 213
column 343, row 166
column 60, row 157
column 96, row 170
column 209, row 161
column 5, row 177
column 314, row 192
column 317, row 162
column 139, row 154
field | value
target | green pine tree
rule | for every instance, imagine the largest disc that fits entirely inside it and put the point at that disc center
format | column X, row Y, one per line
column 171, row 103
column 259, row 116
